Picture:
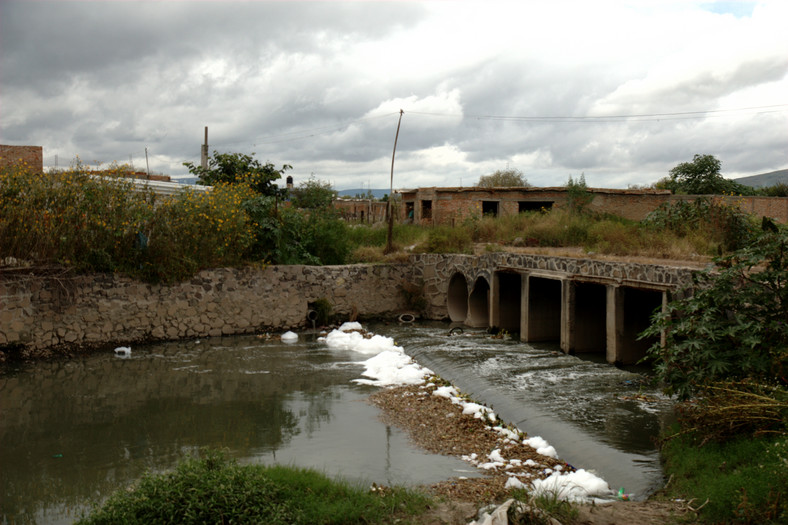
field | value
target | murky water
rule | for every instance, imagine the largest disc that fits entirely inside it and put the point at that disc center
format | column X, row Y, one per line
column 597, row 416
column 73, row 431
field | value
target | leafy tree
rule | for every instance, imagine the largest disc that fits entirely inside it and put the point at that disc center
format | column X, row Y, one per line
column 701, row 177
column 508, row 178
column 733, row 326
column 313, row 194
column 237, row 167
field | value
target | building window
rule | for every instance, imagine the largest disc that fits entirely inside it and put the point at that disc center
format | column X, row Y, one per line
column 409, row 211
column 426, row 209
column 524, row 206
column 490, row 208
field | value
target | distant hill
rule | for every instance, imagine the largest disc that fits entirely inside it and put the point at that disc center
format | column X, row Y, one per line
column 765, row 179
column 378, row 193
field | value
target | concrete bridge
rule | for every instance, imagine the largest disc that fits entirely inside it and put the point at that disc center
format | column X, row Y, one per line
column 586, row 305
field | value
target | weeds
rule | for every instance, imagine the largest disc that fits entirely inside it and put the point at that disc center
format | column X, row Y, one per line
column 743, row 480
column 541, row 510
column 215, row 489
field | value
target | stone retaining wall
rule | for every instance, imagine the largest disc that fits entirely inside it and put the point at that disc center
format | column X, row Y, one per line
column 40, row 312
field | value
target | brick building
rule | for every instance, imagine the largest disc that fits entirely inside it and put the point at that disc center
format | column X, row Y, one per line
column 429, row 206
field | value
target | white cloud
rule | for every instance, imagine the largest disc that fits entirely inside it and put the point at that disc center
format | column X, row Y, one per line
column 320, row 85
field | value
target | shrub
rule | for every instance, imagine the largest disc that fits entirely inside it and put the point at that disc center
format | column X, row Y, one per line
column 195, row 230
column 72, row 217
column 445, row 239
column 216, row 490
column 723, row 224
column 733, row 326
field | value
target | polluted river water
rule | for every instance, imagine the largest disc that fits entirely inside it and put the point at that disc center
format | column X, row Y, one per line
column 72, row 431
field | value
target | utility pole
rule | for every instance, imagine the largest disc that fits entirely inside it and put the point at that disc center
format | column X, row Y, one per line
column 389, row 207
column 204, row 152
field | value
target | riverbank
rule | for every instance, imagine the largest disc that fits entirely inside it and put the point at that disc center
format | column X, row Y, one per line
column 439, row 426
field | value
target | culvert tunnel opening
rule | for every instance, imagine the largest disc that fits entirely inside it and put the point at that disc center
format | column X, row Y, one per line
column 509, row 301
column 457, row 298
column 479, row 304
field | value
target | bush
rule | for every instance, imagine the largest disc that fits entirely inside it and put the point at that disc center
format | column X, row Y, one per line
column 445, row 239
column 217, row 490
column 195, row 230
column 72, row 218
column 733, row 326
column 316, row 237
column 723, row 224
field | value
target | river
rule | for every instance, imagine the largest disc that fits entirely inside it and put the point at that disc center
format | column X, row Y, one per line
column 72, row 431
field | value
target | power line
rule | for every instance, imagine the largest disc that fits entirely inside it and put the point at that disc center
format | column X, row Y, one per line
column 635, row 117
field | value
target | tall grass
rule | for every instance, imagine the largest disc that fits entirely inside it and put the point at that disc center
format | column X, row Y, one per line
column 558, row 228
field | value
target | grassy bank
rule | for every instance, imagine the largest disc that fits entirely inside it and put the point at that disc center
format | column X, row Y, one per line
column 214, row 489
column 744, row 480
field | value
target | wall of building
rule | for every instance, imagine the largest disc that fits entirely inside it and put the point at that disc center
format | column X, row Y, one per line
column 453, row 205
column 33, row 156
column 39, row 312
column 361, row 210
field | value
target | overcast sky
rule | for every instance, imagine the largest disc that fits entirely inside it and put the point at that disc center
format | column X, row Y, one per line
column 620, row 91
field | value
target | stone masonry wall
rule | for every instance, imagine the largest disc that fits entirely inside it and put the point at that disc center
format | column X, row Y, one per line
column 39, row 312
column 435, row 272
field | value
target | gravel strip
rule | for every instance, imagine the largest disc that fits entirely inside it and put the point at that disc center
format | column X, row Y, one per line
column 437, row 425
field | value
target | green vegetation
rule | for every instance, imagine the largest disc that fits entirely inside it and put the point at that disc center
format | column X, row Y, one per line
column 313, row 194
column 541, row 510
column 234, row 168
column 724, row 354
column 743, row 480
column 508, row 178
column 104, row 224
column 216, row 490
column 734, row 326
column 702, row 176
column 578, row 196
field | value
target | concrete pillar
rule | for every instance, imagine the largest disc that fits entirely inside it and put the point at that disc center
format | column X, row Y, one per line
column 495, row 300
column 614, row 321
column 524, row 305
column 568, row 313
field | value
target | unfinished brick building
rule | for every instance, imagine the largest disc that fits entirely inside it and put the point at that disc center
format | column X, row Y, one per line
column 432, row 206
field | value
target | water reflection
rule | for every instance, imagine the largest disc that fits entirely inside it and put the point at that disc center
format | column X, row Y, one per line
column 73, row 431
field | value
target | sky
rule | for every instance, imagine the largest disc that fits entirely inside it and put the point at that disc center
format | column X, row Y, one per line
column 618, row 91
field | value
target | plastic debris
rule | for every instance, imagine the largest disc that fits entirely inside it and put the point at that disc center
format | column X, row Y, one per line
column 622, row 495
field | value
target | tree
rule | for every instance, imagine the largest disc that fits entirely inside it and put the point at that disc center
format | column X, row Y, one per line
column 508, row 178
column 701, row 177
column 234, row 168
column 313, row 194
